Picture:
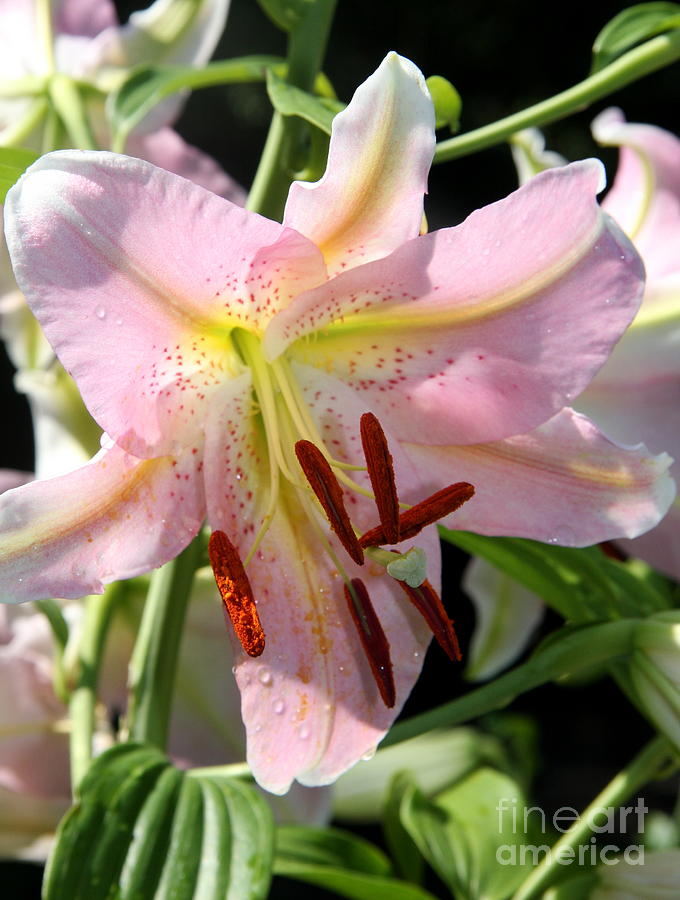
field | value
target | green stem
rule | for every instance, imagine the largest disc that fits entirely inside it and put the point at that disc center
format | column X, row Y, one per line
column 83, row 699
column 591, row 646
column 154, row 659
column 644, row 767
column 16, row 134
column 635, row 64
column 233, row 770
column 68, row 102
column 306, row 49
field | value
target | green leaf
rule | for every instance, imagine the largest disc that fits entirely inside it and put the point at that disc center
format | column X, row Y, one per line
column 630, row 27
column 13, row 163
column 340, row 862
column 330, row 847
column 583, row 584
column 287, row 14
column 408, row 860
column 141, row 828
column 291, row 101
column 466, row 832
column 148, row 85
column 447, row 102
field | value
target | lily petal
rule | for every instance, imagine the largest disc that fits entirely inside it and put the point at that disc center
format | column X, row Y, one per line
column 482, row 331
column 90, row 243
column 114, row 518
column 374, row 191
column 310, row 704
column 84, row 17
column 165, row 148
column 645, row 196
column 590, row 489
column 169, row 32
column 649, row 409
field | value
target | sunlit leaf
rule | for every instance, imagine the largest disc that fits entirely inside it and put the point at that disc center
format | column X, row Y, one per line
column 147, row 86
column 291, row 101
column 13, row 163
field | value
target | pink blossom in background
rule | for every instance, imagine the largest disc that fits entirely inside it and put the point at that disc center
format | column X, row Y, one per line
column 636, row 396
column 206, row 340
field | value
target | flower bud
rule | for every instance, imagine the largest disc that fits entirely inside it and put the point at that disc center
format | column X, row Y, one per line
column 655, row 671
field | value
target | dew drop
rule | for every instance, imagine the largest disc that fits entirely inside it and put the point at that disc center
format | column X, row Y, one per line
column 119, row 321
column 369, row 755
column 100, row 312
column 303, row 732
column 565, row 535
column 279, row 707
column 341, row 668
column 264, row 676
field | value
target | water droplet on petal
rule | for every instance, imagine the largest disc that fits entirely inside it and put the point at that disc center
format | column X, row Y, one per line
column 100, row 312
column 369, row 755
column 303, row 732
column 279, row 707
column 264, row 676
column 565, row 535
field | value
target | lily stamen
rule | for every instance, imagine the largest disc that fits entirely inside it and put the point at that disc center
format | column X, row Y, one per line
column 372, row 638
column 422, row 514
column 329, row 494
column 381, row 473
column 428, row 603
column 236, row 592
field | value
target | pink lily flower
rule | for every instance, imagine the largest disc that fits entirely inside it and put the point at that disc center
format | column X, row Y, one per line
column 86, row 43
column 637, row 393
column 206, row 341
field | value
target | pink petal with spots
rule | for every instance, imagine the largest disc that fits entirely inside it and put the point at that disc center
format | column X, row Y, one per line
column 165, row 148
column 562, row 483
column 645, row 195
column 114, row 518
column 137, row 277
column 370, row 199
column 309, row 703
column 236, row 465
column 482, row 331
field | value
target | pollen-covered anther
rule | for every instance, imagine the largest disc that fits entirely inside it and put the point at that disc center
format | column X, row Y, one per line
column 329, row 494
column 425, row 513
column 373, row 639
column 236, row 593
column 381, row 472
column 428, row 603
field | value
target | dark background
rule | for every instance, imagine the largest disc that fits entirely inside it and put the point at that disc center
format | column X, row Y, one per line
column 501, row 57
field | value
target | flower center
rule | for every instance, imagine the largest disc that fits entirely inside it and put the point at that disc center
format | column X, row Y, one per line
column 297, row 453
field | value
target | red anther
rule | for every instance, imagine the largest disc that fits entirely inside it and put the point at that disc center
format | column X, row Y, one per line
column 428, row 603
column 381, row 473
column 428, row 511
column 373, row 639
column 329, row 494
column 236, row 593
